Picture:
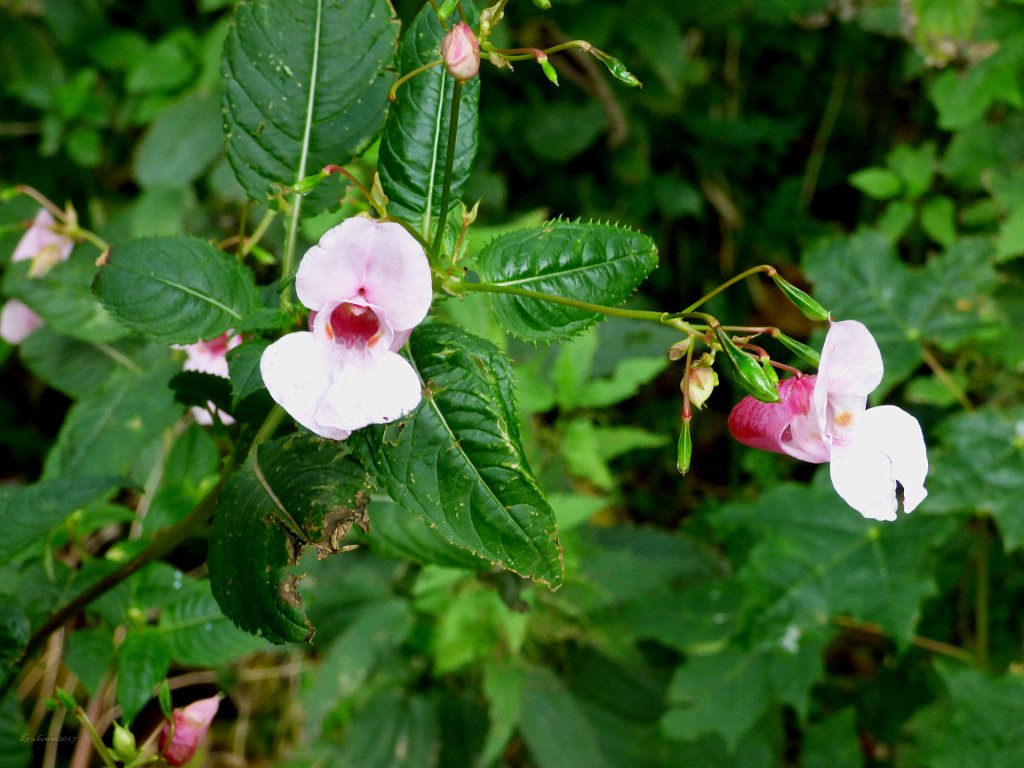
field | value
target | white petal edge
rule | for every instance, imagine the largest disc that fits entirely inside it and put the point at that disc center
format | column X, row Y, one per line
column 887, row 446
column 17, row 322
column 370, row 390
column 298, row 372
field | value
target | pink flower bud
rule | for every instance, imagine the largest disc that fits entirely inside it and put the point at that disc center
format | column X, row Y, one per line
column 461, row 52
column 179, row 740
column 702, row 382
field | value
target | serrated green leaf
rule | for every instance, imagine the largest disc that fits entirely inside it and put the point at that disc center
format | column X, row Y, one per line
column 199, row 635
column 816, row 558
column 105, row 432
column 181, row 143
column 727, row 693
column 458, row 462
column 197, row 388
column 593, row 263
column 176, row 290
column 189, row 472
column 79, row 368
column 398, row 534
column 980, row 469
column 878, row 183
column 915, row 166
column 63, row 297
column 250, row 400
column 305, row 85
column 861, row 277
column 551, row 719
column 938, row 220
column 142, row 661
column 415, row 140
column 979, row 724
column 29, row 511
column 393, row 731
column 90, row 654
column 322, row 490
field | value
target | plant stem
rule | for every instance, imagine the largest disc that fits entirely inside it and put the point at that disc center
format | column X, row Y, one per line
column 981, row 592
column 928, row 644
column 662, row 318
column 248, row 243
column 449, row 162
column 768, row 269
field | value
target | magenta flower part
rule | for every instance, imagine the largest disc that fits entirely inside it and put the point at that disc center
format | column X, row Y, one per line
column 368, row 285
column 211, row 357
column 461, row 52
column 41, row 243
column 825, row 418
column 178, row 744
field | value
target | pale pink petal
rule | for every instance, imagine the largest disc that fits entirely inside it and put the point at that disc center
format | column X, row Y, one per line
column 39, row 236
column 17, row 321
column 298, row 372
column 769, row 426
column 851, row 369
column 370, row 390
column 178, row 744
column 370, row 263
column 886, row 447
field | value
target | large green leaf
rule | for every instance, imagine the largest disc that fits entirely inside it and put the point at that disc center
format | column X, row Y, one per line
column 862, row 278
column 415, row 140
column 979, row 724
column 457, row 461
column 399, row 534
column 142, row 661
column 305, row 85
column 29, row 511
column 15, row 751
column 176, row 290
column 594, row 263
column 319, row 492
column 199, row 635
column 980, row 469
column 816, row 558
column 393, row 731
column 104, row 432
column 63, row 298
column 181, row 143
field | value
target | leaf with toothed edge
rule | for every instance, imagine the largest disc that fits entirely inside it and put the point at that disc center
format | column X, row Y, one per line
column 593, row 263
column 319, row 492
column 457, row 461
column 305, row 85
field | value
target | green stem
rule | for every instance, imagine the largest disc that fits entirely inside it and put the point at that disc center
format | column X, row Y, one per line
column 449, row 162
column 94, row 736
column 248, row 243
column 768, row 269
column 288, row 256
column 662, row 318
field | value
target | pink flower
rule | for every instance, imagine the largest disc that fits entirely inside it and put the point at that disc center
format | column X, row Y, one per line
column 461, row 52
column 211, row 357
column 368, row 284
column 180, row 738
column 45, row 248
column 824, row 418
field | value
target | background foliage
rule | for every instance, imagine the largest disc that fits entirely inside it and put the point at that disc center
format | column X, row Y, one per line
column 740, row 616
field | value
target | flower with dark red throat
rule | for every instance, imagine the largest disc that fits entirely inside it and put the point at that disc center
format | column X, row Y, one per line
column 180, row 737
column 825, row 418
column 368, row 285
column 461, row 52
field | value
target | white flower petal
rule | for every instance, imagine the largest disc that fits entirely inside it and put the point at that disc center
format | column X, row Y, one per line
column 298, row 372
column 40, row 235
column 370, row 389
column 17, row 321
column 887, row 446
column 851, row 368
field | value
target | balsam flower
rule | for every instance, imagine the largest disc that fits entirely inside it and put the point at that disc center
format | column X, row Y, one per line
column 824, row 418
column 180, row 738
column 211, row 357
column 45, row 248
column 368, row 284
column 461, row 52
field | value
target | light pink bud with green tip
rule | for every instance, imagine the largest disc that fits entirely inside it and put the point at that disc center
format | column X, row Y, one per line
column 461, row 52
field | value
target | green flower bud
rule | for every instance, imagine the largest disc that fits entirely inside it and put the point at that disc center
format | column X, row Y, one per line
column 800, row 299
column 685, row 449
column 124, row 743
column 748, row 372
column 802, row 351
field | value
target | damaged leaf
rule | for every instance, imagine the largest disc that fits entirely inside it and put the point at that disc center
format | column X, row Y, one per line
column 299, row 491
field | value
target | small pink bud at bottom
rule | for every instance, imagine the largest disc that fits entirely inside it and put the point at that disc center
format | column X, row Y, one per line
column 179, row 740
column 461, row 52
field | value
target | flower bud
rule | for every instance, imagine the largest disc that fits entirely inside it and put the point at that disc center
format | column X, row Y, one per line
column 180, row 737
column 749, row 375
column 684, row 450
column 678, row 350
column 700, row 383
column 124, row 743
column 461, row 52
